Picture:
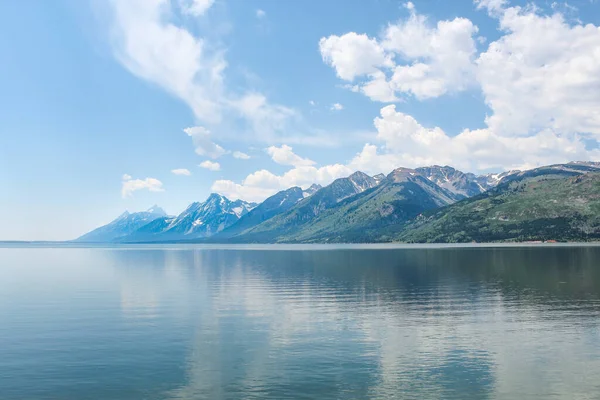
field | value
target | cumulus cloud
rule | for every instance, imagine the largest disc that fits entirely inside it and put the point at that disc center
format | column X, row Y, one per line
column 130, row 185
column 210, row 165
column 412, row 57
column 260, row 13
column 337, row 107
column 284, row 155
column 543, row 73
column 493, row 6
column 240, row 155
column 203, row 143
column 181, row 171
column 353, row 55
column 405, row 142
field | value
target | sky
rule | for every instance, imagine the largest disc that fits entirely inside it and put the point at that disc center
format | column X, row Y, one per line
column 110, row 105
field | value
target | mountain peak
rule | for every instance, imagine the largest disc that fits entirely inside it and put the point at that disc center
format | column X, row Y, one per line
column 216, row 199
column 378, row 178
column 157, row 211
column 359, row 175
column 402, row 174
column 311, row 189
column 215, row 196
column 124, row 215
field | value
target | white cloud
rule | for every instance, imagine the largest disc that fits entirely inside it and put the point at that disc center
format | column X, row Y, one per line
column 377, row 88
column 260, row 13
column 151, row 40
column 240, row 155
column 411, row 57
column 353, row 55
column 541, row 80
column 337, row 107
column 493, row 6
column 543, row 73
column 154, row 49
column 203, row 143
column 210, row 165
column 262, row 184
column 285, row 156
column 181, row 171
column 312, row 103
column 408, row 143
column 267, row 120
column 130, row 185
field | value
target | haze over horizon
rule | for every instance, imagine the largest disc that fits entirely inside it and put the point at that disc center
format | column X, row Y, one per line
column 120, row 105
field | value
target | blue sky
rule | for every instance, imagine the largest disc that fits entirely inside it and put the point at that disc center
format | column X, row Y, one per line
column 102, row 100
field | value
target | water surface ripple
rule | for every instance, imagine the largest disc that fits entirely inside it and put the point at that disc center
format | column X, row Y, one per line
column 337, row 323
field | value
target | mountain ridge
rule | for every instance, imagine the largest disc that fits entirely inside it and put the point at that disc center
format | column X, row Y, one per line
column 403, row 205
column 401, row 195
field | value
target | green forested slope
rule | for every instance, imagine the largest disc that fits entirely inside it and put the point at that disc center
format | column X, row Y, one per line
column 539, row 205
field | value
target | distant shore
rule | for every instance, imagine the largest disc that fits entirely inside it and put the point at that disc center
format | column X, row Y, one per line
column 287, row 246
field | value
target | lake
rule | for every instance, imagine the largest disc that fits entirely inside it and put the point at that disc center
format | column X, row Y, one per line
column 282, row 322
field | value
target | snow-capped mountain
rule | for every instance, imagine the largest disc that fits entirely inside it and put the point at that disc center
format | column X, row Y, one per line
column 573, row 168
column 124, row 225
column 458, row 182
column 311, row 190
column 378, row 178
column 489, row 181
column 362, row 181
column 461, row 183
column 432, row 191
column 341, row 188
column 593, row 164
column 198, row 220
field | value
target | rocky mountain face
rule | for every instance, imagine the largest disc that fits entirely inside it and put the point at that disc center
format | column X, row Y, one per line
column 124, row 225
column 489, row 181
column 342, row 188
column 378, row 178
column 461, row 183
column 312, row 189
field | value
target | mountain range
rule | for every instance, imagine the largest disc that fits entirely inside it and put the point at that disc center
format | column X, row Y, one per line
column 427, row 204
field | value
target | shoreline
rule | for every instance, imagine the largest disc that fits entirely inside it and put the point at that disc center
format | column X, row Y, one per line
column 288, row 246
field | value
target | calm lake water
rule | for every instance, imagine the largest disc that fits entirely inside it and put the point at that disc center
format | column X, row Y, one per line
column 330, row 323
